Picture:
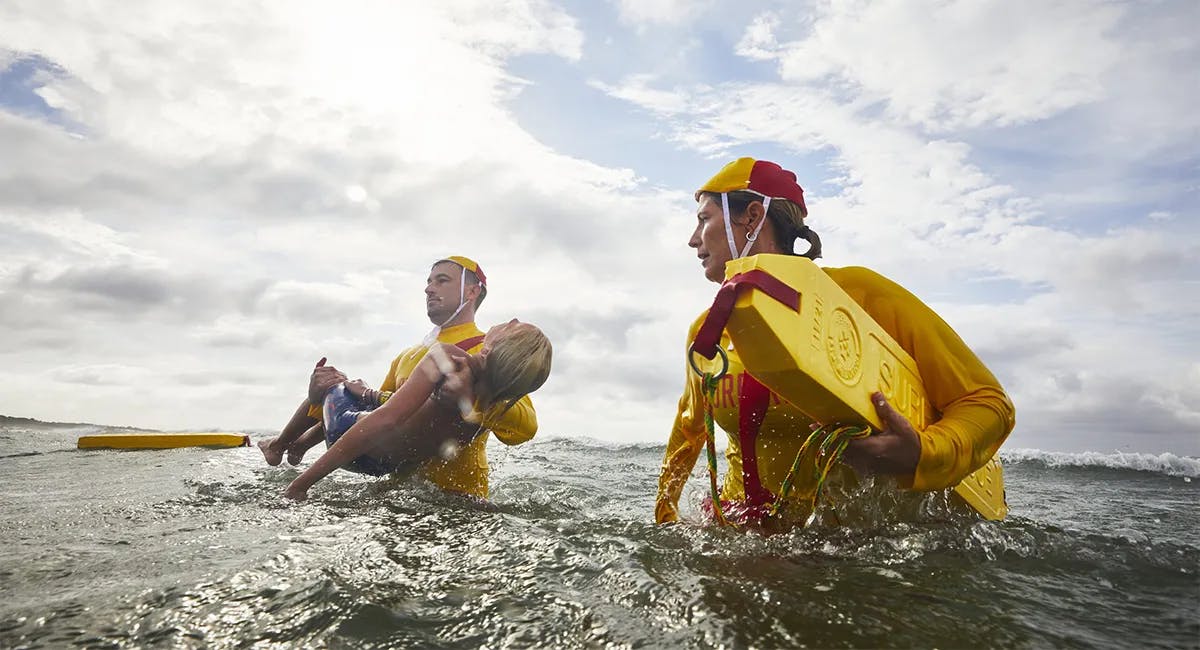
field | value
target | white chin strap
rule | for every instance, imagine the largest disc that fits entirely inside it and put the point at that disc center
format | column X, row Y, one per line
column 432, row 336
column 750, row 238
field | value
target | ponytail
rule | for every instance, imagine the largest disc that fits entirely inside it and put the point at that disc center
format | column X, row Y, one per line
column 814, row 243
column 788, row 218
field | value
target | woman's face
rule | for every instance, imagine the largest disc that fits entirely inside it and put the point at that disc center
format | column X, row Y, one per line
column 709, row 239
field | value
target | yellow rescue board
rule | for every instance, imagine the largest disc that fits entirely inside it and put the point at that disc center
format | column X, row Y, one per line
column 827, row 359
column 162, row 440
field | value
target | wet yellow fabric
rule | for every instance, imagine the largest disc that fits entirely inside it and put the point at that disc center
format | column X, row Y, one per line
column 974, row 415
column 468, row 471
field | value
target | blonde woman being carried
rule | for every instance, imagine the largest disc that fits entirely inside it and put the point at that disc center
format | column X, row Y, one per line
column 513, row 362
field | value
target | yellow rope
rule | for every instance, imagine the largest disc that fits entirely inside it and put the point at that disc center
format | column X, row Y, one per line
column 710, row 390
column 830, row 445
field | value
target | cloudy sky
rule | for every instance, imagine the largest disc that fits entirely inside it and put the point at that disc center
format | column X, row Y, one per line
column 196, row 204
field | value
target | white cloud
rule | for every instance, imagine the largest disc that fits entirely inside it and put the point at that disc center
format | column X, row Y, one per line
column 520, row 27
column 946, row 64
column 645, row 13
column 758, row 41
column 637, row 90
column 101, row 375
column 260, row 188
column 222, row 197
column 47, row 243
column 209, row 84
column 1084, row 325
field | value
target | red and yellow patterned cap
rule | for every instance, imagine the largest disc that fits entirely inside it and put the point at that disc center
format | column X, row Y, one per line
column 468, row 264
column 759, row 176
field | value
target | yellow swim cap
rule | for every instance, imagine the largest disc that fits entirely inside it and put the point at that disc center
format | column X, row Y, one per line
column 759, row 176
column 468, row 264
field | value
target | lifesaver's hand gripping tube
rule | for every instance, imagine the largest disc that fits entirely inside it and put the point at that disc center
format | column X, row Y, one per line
column 708, row 339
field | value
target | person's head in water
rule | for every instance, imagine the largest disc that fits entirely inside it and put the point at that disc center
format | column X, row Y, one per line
column 454, row 290
column 514, row 361
column 749, row 207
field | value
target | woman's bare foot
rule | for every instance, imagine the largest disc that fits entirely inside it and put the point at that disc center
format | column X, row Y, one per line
column 309, row 439
column 274, row 456
column 295, row 454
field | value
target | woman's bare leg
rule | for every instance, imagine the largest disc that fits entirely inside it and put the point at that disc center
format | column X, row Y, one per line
column 296, row 427
column 311, row 438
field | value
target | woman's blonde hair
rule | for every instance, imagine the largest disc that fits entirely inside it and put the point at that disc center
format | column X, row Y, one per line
column 518, row 364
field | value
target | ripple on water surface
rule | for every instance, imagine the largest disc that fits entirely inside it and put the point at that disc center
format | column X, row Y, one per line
column 196, row 548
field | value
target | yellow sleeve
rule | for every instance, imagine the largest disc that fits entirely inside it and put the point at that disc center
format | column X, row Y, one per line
column 389, row 382
column 514, row 426
column 683, row 448
column 976, row 413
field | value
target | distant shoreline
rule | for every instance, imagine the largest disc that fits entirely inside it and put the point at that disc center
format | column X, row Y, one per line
column 12, row 420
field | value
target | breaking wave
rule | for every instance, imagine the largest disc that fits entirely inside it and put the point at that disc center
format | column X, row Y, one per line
column 1165, row 463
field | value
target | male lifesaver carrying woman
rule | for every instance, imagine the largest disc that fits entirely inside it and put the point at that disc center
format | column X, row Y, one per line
column 755, row 207
column 442, row 395
column 513, row 362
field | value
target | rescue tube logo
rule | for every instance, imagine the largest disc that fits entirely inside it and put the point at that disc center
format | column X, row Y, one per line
column 844, row 346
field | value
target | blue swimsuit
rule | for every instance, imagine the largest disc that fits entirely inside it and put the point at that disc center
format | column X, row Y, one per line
column 341, row 410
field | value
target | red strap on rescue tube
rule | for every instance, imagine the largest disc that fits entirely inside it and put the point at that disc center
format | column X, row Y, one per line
column 753, row 399
column 709, row 335
column 466, row 344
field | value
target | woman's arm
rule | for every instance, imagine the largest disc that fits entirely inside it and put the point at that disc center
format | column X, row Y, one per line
column 683, row 448
column 685, row 444
column 370, row 431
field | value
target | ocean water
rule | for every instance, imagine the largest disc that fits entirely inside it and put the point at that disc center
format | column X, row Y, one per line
column 195, row 548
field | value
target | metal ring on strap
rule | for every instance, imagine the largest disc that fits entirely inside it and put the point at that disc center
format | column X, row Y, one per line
column 724, row 363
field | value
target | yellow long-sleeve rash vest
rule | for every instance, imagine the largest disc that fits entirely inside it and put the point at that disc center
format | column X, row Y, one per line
column 975, row 413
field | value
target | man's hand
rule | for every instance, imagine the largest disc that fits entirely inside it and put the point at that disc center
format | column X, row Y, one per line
column 896, row 450
column 323, row 378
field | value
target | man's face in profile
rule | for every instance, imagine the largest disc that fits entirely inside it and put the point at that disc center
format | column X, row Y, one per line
column 442, row 291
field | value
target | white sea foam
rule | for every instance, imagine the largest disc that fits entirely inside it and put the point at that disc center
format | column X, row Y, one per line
column 589, row 442
column 1164, row 463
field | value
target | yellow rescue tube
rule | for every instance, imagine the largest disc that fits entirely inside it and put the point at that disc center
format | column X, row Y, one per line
column 830, row 355
column 162, row 440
